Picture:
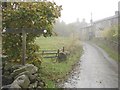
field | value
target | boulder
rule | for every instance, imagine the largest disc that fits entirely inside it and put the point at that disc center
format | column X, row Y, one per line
column 41, row 84
column 17, row 72
column 39, row 87
column 23, row 81
column 6, row 87
column 15, row 85
column 31, row 68
column 10, row 86
column 33, row 85
column 62, row 56
column 28, row 67
column 16, row 67
column 27, row 73
column 33, row 77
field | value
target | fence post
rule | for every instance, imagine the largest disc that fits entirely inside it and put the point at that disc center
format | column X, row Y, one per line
column 63, row 49
column 58, row 52
column 42, row 53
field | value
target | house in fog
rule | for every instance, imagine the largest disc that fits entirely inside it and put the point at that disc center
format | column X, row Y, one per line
column 105, row 23
column 95, row 28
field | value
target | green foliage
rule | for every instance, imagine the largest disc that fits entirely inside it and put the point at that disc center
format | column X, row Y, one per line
column 26, row 15
column 118, row 32
column 111, row 33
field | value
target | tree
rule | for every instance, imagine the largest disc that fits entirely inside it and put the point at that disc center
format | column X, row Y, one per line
column 26, row 15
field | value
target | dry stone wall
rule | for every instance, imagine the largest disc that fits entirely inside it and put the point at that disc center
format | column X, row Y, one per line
column 23, row 77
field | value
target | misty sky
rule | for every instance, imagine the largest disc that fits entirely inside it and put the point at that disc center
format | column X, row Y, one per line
column 73, row 9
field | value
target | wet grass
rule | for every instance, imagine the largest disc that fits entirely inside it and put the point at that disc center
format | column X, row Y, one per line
column 53, row 71
column 52, row 42
column 112, row 53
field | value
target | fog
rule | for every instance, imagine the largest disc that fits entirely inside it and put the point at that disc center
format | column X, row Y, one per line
column 73, row 9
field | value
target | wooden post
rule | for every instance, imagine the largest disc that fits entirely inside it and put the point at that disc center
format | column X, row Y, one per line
column 63, row 49
column 23, row 47
column 42, row 53
column 58, row 52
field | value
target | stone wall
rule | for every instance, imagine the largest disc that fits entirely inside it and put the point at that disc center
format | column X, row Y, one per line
column 22, row 77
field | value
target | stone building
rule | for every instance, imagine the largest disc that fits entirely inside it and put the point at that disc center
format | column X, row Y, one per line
column 95, row 28
column 105, row 23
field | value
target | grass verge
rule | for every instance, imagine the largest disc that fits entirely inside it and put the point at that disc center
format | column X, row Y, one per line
column 52, row 71
column 112, row 53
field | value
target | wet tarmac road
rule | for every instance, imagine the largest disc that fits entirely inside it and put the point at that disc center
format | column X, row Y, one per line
column 95, row 70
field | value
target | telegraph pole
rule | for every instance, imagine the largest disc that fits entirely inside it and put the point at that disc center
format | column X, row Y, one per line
column 91, row 31
column 91, row 21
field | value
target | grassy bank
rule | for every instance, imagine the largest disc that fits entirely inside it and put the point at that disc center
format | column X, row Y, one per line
column 52, row 71
column 112, row 53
